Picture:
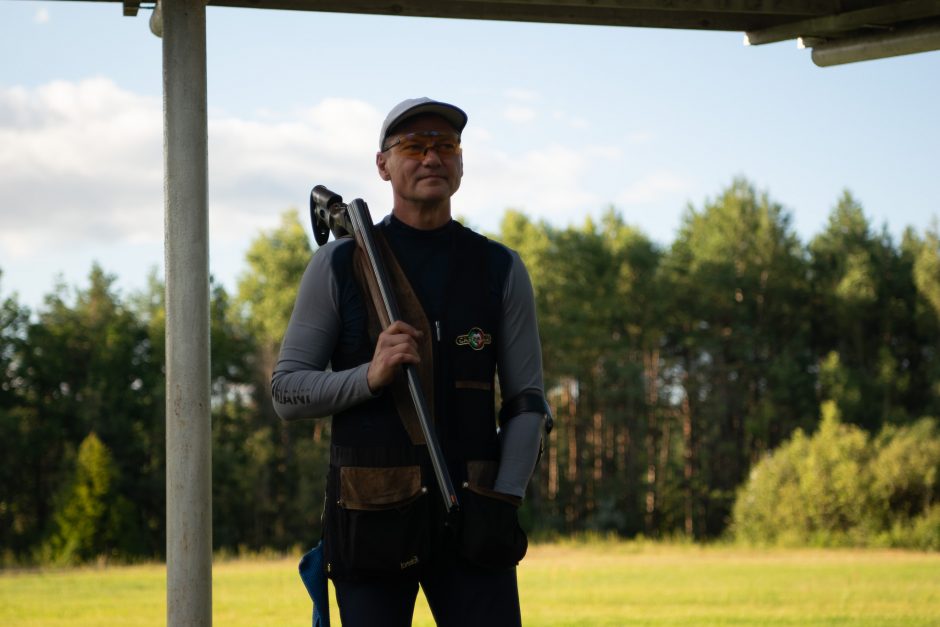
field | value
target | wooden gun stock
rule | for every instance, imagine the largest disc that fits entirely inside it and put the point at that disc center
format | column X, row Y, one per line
column 329, row 214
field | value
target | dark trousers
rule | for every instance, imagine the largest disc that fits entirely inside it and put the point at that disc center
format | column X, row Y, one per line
column 458, row 595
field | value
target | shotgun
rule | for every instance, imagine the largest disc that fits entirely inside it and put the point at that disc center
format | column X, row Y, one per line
column 329, row 213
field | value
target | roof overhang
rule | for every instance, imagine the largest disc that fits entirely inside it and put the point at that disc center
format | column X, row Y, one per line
column 839, row 31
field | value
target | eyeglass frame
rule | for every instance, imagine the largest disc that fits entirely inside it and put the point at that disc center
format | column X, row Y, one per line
column 432, row 146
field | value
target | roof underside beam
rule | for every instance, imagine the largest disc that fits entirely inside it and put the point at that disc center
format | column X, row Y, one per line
column 922, row 37
column 770, row 7
column 815, row 22
column 731, row 15
column 873, row 19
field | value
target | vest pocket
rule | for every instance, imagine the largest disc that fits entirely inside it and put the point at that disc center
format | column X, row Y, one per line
column 379, row 522
column 490, row 535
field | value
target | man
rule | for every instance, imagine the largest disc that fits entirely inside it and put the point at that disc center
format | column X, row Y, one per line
column 472, row 316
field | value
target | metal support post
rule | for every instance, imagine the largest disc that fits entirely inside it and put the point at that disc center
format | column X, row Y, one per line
column 188, row 419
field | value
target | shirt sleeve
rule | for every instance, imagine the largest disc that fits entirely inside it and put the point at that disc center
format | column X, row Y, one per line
column 302, row 385
column 519, row 365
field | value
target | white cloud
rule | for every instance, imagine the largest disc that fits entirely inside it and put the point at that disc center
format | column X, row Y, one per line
column 260, row 168
column 573, row 121
column 79, row 162
column 604, row 152
column 637, row 138
column 81, row 165
column 578, row 122
column 81, row 177
column 546, row 183
column 42, row 15
column 526, row 95
column 519, row 114
column 81, row 174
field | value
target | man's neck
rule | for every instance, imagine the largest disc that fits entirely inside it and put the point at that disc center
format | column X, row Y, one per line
column 423, row 218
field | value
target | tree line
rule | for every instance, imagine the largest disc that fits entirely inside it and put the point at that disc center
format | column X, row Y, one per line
column 673, row 371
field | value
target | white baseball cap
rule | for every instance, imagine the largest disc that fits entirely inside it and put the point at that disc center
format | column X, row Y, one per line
column 406, row 109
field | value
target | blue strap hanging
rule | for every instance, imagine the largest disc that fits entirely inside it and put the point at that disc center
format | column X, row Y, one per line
column 313, row 575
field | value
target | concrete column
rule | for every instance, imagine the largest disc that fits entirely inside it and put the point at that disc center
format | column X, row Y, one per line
column 188, row 421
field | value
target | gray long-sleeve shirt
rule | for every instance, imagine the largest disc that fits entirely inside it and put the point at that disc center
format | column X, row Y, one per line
column 303, row 386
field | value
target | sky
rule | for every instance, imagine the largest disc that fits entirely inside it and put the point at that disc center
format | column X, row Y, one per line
column 564, row 123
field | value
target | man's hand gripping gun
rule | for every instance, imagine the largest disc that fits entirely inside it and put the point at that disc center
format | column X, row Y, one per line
column 329, row 213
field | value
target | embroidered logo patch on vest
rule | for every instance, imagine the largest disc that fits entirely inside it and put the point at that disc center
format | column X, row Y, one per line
column 475, row 339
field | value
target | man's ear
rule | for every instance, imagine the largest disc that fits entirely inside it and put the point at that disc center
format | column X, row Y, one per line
column 380, row 164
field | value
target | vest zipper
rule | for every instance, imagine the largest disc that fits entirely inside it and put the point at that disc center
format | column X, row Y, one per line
column 438, row 381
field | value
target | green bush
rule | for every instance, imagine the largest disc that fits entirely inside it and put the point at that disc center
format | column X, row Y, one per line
column 92, row 521
column 924, row 531
column 770, row 508
column 841, row 488
column 906, row 470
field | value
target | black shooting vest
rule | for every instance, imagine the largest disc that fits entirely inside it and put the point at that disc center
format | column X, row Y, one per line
column 383, row 512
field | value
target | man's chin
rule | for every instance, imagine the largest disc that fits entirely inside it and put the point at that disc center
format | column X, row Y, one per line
column 434, row 191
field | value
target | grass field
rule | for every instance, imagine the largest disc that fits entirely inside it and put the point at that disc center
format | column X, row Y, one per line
column 597, row 583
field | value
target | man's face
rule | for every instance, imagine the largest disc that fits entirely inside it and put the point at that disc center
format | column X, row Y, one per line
column 432, row 179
